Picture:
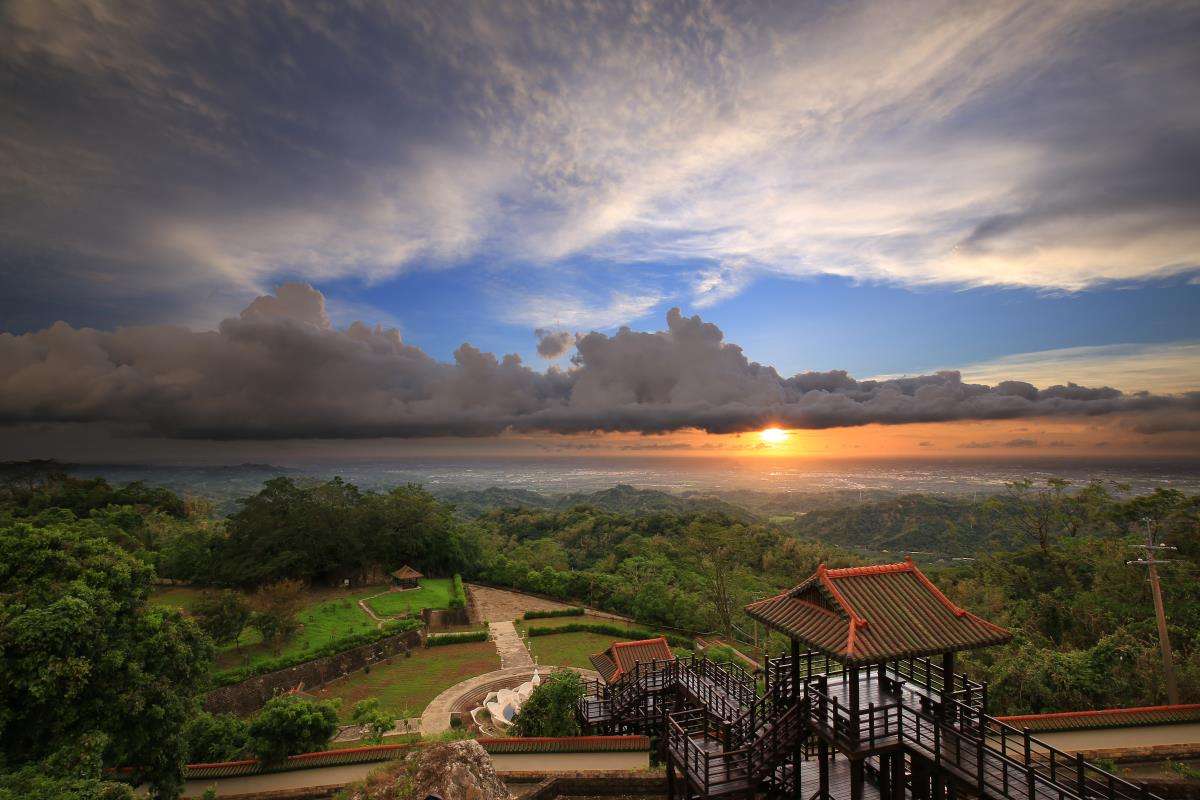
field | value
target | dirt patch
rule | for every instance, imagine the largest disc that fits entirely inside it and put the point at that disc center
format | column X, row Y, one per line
column 498, row 605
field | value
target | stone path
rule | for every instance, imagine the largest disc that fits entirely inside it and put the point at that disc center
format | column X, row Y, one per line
column 510, row 645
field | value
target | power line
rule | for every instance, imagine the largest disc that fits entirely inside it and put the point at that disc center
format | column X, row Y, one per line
column 1164, row 641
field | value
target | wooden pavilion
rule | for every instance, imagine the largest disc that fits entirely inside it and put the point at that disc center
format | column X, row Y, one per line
column 880, row 624
column 621, row 657
column 406, row 578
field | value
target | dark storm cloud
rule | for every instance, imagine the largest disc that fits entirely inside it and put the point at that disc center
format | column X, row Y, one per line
column 280, row 370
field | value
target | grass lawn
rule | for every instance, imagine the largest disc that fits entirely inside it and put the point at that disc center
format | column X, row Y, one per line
column 569, row 649
column 324, row 621
column 404, row 686
column 181, row 597
column 432, row 593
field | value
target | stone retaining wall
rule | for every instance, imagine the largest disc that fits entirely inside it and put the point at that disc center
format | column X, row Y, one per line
column 251, row 694
column 590, row 783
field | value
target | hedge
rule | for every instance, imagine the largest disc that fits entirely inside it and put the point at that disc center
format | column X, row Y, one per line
column 238, row 674
column 456, row 638
column 458, row 597
column 558, row 612
column 673, row 639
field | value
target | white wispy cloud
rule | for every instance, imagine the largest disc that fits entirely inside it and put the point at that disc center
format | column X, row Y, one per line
column 1163, row 368
column 1034, row 144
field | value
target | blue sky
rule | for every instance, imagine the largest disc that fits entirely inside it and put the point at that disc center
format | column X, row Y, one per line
column 886, row 189
column 818, row 323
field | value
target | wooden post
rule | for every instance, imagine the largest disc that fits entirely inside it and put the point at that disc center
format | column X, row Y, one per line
column 856, row 779
column 897, row 780
column 855, row 723
column 947, row 681
column 795, row 670
column 822, row 768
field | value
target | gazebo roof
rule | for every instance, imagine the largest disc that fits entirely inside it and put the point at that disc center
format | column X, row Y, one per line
column 406, row 573
column 865, row 615
column 621, row 657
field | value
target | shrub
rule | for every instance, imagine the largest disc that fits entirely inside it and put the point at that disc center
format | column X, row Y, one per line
column 215, row 737
column 375, row 723
column 458, row 596
column 550, row 710
column 456, row 638
column 558, row 612
column 673, row 639
column 289, row 725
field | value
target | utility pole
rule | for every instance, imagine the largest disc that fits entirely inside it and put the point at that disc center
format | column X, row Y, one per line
column 1164, row 641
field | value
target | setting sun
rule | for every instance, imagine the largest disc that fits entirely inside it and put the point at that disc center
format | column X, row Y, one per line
column 773, row 436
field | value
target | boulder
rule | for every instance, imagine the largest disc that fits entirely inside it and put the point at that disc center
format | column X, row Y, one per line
column 451, row 770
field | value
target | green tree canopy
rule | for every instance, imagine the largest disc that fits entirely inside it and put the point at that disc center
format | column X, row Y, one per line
column 84, row 656
column 550, row 709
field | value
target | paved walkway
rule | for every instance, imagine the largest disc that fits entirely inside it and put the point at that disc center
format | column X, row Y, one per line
column 436, row 717
column 510, row 645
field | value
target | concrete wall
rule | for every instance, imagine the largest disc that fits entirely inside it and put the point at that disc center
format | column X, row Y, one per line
column 569, row 762
column 1121, row 738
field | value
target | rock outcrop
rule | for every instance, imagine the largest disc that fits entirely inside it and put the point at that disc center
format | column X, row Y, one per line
column 451, row 771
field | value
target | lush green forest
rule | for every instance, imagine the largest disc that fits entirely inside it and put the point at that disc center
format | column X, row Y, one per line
column 78, row 559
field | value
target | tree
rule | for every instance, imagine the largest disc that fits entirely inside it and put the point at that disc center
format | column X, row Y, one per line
column 275, row 608
column 288, row 725
column 1041, row 514
column 550, row 709
column 216, row 737
column 373, row 721
column 84, row 658
column 223, row 616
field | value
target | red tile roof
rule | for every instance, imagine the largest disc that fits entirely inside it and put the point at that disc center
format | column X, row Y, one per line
column 407, row 573
column 864, row 615
column 1106, row 718
column 623, row 656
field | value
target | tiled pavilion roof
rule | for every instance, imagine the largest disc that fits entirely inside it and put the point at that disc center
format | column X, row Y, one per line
column 621, row 657
column 1106, row 718
column 865, row 615
column 406, row 573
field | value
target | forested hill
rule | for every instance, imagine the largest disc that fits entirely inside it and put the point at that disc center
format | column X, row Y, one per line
column 912, row 523
column 621, row 499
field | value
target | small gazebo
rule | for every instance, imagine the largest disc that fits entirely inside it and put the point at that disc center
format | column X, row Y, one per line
column 406, row 578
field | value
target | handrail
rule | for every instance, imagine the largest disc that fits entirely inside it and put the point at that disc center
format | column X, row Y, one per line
column 754, row 730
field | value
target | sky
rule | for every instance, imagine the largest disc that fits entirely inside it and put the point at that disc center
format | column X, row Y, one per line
column 960, row 229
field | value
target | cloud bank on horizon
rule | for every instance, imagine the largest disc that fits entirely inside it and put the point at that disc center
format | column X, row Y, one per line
column 281, row 370
column 183, row 157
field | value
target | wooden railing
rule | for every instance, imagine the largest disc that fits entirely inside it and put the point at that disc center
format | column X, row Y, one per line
column 738, row 736
column 711, row 771
column 866, row 729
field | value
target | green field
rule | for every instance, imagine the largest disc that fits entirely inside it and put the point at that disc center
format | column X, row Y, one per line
column 330, row 614
column 182, row 597
column 432, row 593
column 569, row 649
column 404, row 686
